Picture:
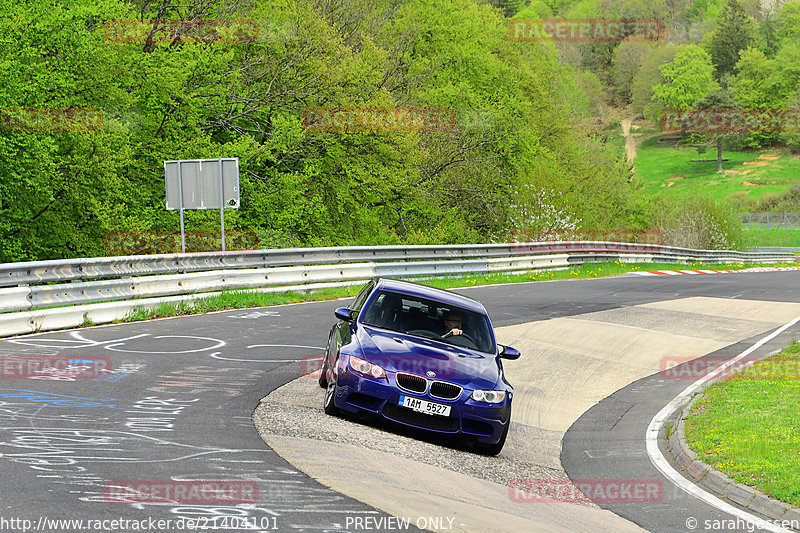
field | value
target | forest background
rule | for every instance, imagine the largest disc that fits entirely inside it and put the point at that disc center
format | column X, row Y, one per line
column 534, row 151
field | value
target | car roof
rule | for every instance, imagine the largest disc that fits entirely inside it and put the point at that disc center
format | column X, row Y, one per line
column 432, row 293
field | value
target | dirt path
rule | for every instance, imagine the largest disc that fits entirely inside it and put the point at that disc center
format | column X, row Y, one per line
column 630, row 143
column 632, row 140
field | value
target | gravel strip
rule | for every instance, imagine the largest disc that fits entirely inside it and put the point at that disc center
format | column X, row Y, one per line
column 295, row 410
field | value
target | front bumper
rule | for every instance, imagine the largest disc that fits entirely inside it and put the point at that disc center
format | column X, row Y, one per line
column 485, row 422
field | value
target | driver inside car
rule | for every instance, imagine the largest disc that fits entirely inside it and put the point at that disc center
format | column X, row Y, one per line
column 452, row 324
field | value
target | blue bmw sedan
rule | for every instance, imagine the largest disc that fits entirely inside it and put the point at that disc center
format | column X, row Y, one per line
column 422, row 357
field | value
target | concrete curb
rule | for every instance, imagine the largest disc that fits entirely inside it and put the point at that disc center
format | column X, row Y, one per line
column 718, row 483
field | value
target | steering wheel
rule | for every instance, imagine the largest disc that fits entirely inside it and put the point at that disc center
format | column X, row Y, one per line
column 450, row 334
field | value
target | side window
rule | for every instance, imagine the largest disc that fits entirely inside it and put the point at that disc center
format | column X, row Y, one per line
column 373, row 314
column 358, row 303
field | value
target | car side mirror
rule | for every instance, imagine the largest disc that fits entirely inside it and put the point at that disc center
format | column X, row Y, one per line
column 507, row 352
column 343, row 313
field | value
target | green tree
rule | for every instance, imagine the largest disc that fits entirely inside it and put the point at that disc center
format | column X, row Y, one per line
column 754, row 87
column 687, row 79
column 785, row 82
column 648, row 76
column 535, row 9
column 767, row 32
column 753, row 82
column 559, row 7
column 628, row 58
column 786, row 76
column 788, row 22
column 792, row 137
column 734, row 32
column 718, row 99
column 60, row 185
column 522, row 118
column 508, row 7
column 700, row 10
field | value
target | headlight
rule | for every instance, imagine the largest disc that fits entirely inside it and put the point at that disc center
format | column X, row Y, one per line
column 365, row 367
column 488, row 396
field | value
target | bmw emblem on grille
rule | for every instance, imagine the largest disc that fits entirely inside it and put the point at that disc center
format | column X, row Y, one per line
column 430, row 374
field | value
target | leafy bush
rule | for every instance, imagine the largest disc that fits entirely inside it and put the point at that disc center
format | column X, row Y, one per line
column 792, row 141
column 701, row 223
column 537, row 214
column 788, row 202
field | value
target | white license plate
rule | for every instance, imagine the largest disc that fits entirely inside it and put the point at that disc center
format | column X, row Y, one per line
column 424, row 406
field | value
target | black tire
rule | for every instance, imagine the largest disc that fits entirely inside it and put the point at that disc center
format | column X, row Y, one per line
column 329, row 404
column 323, row 373
column 494, row 449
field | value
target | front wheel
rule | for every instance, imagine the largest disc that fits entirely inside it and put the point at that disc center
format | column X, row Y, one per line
column 330, row 393
column 323, row 373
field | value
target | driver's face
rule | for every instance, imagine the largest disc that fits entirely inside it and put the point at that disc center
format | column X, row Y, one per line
column 453, row 321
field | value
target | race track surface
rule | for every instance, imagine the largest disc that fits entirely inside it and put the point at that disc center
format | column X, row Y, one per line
column 173, row 407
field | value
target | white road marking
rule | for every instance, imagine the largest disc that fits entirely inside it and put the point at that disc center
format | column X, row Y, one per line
column 661, row 463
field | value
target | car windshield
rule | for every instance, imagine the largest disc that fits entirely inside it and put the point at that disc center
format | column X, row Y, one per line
column 429, row 319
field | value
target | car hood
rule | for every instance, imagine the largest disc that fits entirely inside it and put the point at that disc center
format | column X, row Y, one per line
column 398, row 352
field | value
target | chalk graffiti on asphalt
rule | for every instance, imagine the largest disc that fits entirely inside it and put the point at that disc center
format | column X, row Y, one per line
column 78, row 341
column 279, row 348
column 199, row 379
column 255, row 315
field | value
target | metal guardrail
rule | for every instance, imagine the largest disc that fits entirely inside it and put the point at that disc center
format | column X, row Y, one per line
column 139, row 265
column 35, row 272
column 779, row 249
column 146, row 281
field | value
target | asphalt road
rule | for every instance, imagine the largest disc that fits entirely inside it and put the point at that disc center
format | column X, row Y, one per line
column 608, row 443
column 175, row 407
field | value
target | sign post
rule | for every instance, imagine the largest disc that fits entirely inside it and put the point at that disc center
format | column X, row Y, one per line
column 222, row 205
column 180, row 200
column 202, row 184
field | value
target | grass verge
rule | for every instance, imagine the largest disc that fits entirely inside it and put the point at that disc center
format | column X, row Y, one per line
column 748, row 176
column 773, row 237
column 748, row 426
column 246, row 299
